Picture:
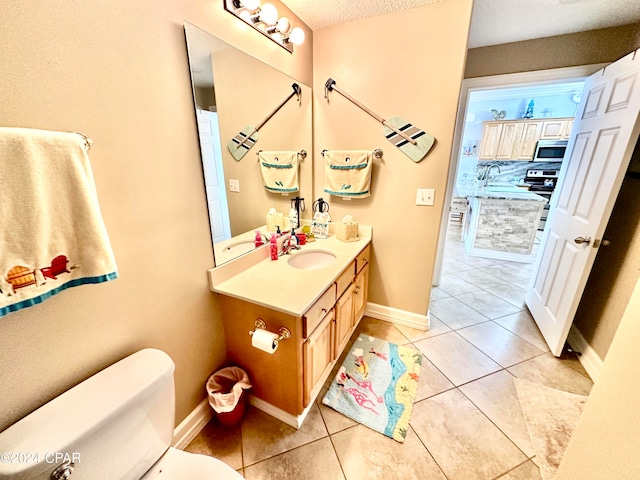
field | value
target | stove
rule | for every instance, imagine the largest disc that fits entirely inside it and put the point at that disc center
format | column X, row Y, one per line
column 543, row 183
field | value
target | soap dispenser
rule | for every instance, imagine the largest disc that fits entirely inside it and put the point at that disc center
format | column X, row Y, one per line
column 273, row 246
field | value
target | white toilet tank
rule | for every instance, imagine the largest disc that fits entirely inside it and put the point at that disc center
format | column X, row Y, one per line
column 114, row 425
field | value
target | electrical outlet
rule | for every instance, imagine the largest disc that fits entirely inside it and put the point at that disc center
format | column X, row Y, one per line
column 234, row 185
column 425, row 196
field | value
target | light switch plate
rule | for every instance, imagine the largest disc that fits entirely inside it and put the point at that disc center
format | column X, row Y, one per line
column 425, row 196
column 234, row 185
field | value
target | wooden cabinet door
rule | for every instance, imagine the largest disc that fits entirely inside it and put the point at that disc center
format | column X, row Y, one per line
column 526, row 146
column 361, row 294
column 567, row 129
column 318, row 356
column 553, row 129
column 490, row 140
column 344, row 319
column 509, row 139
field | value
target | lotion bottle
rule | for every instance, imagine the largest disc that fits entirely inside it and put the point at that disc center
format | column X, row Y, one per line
column 273, row 246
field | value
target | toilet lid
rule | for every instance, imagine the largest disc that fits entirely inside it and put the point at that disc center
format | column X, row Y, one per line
column 178, row 465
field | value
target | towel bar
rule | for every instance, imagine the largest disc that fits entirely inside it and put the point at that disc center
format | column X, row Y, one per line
column 87, row 141
column 301, row 153
column 377, row 153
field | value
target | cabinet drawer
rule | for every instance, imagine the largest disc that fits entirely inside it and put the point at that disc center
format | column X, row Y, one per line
column 363, row 258
column 345, row 279
column 318, row 310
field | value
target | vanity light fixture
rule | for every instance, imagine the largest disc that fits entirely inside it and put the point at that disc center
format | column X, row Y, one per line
column 265, row 20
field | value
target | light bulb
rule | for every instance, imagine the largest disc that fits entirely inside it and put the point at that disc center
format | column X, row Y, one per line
column 245, row 15
column 251, row 5
column 284, row 25
column 268, row 14
column 297, row 36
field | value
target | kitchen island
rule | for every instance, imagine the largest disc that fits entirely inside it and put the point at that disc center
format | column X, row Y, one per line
column 502, row 222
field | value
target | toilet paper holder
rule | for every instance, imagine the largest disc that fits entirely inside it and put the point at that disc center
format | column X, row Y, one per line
column 260, row 324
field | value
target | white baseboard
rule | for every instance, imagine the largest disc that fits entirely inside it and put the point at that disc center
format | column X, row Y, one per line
column 191, row 426
column 281, row 415
column 589, row 359
column 400, row 317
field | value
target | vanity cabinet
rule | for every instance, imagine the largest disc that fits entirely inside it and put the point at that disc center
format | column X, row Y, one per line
column 286, row 382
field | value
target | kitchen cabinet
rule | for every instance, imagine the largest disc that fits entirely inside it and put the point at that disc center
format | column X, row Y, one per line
column 556, row 129
column 516, row 139
column 491, row 132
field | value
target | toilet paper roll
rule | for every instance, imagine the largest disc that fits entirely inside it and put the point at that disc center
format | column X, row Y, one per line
column 264, row 340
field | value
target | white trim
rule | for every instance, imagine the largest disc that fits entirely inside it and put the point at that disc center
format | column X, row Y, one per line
column 281, row 415
column 589, row 359
column 400, row 317
column 191, row 426
column 485, row 83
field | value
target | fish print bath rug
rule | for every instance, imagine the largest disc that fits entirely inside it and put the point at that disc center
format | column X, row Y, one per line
column 376, row 386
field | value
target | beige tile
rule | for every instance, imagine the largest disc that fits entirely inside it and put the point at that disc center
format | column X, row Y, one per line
column 368, row 455
column 454, row 285
column 509, row 293
column 488, row 304
column 314, row 461
column 381, row 329
column 219, row 442
column 550, row 371
column 454, row 265
column 264, row 436
column 499, row 343
column 436, row 327
column 511, row 271
column 480, row 278
column 463, row 442
column 497, row 397
column 526, row 471
column 523, row 325
column 432, row 381
column 456, row 358
column 437, row 293
column 455, row 314
column 334, row 421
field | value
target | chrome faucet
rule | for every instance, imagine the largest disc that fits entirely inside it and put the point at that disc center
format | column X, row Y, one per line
column 487, row 173
column 288, row 245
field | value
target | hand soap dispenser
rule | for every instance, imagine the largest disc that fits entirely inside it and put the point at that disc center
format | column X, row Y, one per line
column 258, row 241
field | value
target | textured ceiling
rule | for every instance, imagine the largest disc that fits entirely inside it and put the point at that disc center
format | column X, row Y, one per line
column 493, row 21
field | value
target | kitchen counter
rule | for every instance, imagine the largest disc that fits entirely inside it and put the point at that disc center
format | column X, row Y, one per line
column 279, row 286
column 500, row 193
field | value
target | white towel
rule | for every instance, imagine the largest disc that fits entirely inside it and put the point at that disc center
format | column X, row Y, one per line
column 347, row 173
column 52, row 235
column 279, row 171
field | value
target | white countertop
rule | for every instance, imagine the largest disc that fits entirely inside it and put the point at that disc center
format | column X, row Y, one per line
column 277, row 285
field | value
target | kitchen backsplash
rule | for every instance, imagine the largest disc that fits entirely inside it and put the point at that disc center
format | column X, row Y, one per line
column 511, row 171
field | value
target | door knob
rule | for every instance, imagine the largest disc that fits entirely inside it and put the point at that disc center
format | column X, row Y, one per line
column 581, row 240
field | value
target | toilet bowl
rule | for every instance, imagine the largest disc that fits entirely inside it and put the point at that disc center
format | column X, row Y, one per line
column 179, row 465
column 117, row 424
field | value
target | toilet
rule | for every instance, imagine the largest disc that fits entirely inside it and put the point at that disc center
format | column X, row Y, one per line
column 117, row 424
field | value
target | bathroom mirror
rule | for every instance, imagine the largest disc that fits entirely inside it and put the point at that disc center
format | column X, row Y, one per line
column 232, row 90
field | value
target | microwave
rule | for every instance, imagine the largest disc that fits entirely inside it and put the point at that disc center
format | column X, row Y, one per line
column 550, row 150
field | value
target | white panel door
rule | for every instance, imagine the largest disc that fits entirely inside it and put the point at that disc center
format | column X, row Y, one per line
column 602, row 141
column 214, row 175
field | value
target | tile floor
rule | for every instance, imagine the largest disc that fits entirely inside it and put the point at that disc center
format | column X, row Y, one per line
column 467, row 423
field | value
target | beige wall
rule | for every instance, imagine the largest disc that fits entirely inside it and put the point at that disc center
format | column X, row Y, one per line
column 118, row 72
column 583, row 48
column 408, row 64
column 606, row 441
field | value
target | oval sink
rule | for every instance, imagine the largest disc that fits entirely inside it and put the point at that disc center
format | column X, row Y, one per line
column 311, row 259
